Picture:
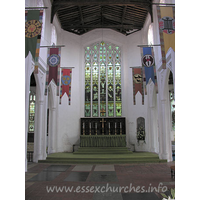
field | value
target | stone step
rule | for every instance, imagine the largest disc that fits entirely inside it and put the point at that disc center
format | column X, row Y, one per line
column 103, row 150
column 71, row 158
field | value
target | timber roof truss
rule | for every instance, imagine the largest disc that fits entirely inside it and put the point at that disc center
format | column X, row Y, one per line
column 80, row 16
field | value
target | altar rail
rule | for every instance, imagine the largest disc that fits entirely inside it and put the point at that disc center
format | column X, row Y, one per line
column 103, row 141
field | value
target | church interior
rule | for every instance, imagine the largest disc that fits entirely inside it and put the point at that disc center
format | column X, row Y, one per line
column 100, row 97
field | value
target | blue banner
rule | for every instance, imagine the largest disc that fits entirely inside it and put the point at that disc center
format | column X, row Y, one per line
column 148, row 63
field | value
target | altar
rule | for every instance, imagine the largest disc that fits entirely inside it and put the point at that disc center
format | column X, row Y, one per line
column 103, row 132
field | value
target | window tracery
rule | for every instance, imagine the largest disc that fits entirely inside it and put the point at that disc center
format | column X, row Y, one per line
column 103, row 80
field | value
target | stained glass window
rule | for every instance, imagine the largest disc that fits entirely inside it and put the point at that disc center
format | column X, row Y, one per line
column 172, row 102
column 103, row 80
column 118, row 89
column 150, row 35
column 87, row 89
column 103, row 90
column 32, row 112
column 110, row 89
column 95, row 89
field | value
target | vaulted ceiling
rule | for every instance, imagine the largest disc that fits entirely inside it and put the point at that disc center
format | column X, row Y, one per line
column 81, row 16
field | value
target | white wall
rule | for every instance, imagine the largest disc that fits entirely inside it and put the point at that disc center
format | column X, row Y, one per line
column 132, row 56
column 68, row 130
column 69, row 115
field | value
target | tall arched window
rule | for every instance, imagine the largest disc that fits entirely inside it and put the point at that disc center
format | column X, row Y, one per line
column 150, row 35
column 103, row 80
column 53, row 35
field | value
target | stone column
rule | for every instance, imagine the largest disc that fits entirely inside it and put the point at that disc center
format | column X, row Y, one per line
column 27, row 88
column 29, row 66
column 152, row 115
column 52, row 130
column 39, row 134
column 152, row 127
column 165, row 130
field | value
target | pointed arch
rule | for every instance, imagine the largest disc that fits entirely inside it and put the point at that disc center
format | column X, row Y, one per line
column 170, row 66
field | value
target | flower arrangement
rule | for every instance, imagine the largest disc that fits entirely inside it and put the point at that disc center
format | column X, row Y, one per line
column 141, row 134
column 172, row 197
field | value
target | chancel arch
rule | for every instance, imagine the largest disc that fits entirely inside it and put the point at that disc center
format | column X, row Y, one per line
column 167, row 90
column 38, row 99
column 31, row 118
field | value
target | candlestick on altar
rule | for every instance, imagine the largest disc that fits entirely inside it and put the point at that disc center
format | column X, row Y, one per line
column 109, row 127
column 120, row 128
column 115, row 128
column 83, row 128
column 90, row 127
column 96, row 127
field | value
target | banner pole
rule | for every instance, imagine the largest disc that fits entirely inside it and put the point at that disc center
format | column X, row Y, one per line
column 52, row 46
column 35, row 8
column 151, row 45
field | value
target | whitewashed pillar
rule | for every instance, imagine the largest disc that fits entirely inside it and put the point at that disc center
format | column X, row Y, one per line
column 39, row 135
column 52, row 117
column 153, row 130
column 29, row 67
column 27, row 88
column 40, row 115
column 52, row 142
column 152, row 115
column 165, row 130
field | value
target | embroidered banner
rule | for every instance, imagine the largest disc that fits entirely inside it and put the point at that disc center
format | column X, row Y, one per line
column 66, row 78
column 138, row 83
column 33, row 28
column 53, row 67
column 166, row 20
column 149, row 71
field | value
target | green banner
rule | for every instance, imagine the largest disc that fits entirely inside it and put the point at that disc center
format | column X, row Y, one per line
column 33, row 27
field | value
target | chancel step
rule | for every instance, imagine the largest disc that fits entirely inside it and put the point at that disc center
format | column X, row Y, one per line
column 98, row 156
column 103, row 150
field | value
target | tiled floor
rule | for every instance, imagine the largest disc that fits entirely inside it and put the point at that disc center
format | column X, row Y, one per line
column 98, row 182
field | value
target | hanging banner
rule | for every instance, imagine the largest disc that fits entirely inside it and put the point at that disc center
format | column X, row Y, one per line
column 149, row 71
column 137, row 83
column 166, row 20
column 66, row 79
column 53, row 67
column 33, row 28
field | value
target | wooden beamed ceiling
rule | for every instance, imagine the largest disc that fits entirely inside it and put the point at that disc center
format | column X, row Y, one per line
column 79, row 17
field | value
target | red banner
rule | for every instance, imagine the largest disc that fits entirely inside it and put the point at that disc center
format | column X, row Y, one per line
column 53, row 68
column 138, row 83
column 66, row 77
